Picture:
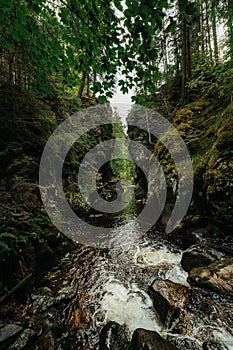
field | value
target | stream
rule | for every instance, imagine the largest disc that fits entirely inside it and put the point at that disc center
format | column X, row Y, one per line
column 93, row 286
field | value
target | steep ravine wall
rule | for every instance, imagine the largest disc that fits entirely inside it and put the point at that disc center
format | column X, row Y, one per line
column 29, row 242
column 208, row 134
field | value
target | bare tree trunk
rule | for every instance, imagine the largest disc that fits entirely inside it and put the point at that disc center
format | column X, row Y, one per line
column 82, row 85
column 88, row 84
column 186, row 56
column 94, row 78
column 214, row 29
column 208, row 31
column 202, row 28
column 177, row 56
column 11, row 68
column 230, row 27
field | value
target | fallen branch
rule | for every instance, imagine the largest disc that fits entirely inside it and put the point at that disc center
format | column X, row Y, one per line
column 15, row 288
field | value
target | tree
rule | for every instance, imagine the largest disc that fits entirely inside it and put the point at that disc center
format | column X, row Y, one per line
column 214, row 4
column 85, row 43
column 230, row 27
column 185, row 22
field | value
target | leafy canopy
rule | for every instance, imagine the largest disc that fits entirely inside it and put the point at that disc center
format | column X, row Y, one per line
column 98, row 37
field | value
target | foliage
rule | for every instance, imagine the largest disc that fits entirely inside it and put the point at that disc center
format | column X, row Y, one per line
column 122, row 168
column 213, row 81
column 56, row 42
column 49, row 45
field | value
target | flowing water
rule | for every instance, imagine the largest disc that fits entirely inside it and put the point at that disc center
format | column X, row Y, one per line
column 113, row 286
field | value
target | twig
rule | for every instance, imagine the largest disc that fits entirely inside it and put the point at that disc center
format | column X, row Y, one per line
column 15, row 288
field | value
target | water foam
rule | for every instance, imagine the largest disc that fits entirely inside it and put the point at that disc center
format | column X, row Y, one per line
column 129, row 306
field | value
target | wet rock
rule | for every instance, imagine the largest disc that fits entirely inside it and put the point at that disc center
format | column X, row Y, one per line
column 210, row 345
column 47, row 341
column 198, row 256
column 169, row 299
column 79, row 317
column 148, row 340
column 66, row 292
column 46, row 299
column 49, row 321
column 41, row 303
column 184, row 343
column 184, row 308
column 217, row 276
column 25, row 340
column 113, row 337
column 192, row 238
column 8, row 334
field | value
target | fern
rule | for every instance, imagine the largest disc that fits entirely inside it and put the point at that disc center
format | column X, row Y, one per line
column 4, row 246
column 7, row 235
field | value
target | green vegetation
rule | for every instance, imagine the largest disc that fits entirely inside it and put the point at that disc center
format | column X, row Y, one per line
column 121, row 167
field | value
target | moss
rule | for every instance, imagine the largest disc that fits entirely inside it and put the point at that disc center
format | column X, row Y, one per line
column 185, row 127
column 183, row 115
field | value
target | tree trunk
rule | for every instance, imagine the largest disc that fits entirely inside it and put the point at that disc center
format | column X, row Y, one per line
column 94, row 79
column 186, row 56
column 88, row 84
column 208, row 31
column 82, row 85
column 11, row 68
column 215, row 36
column 177, row 56
column 202, row 29
column 230, row 26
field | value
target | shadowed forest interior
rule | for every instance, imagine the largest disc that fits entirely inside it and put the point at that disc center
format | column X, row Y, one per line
column 153, row 290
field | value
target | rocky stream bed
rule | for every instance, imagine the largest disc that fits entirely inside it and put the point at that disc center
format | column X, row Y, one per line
column 143, row 294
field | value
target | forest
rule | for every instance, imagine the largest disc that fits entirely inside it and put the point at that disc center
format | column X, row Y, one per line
column 135, row 284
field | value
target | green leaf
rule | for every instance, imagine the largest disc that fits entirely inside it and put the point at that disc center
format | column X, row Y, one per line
column 6, row 235
column 7, row 44
column 191, row 9
column 102, row 98
column 109, row 94
column 4, row 246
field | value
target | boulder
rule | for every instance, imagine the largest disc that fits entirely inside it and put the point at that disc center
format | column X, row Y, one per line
column 24, row 341
column 199, row 256
column 217, row 276
column 113, row 336
column 169, row 299
column 183, row 308
column 8, row 334
column 184, row 342
column 149, row 340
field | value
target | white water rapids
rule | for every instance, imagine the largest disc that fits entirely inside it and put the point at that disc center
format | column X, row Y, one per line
column 118, row 283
